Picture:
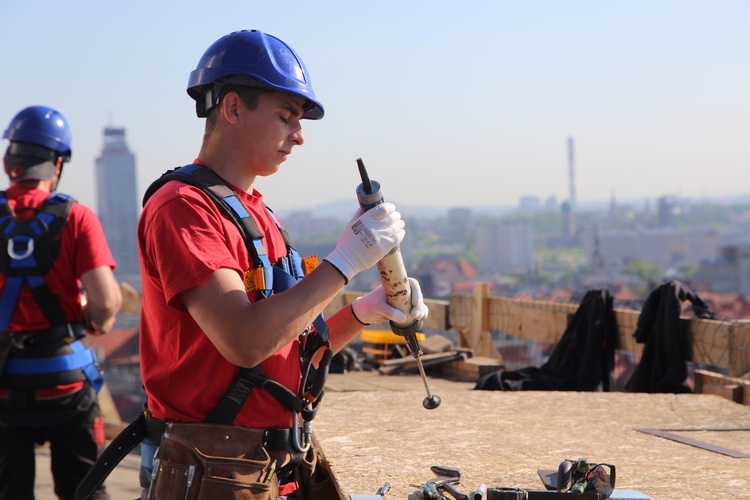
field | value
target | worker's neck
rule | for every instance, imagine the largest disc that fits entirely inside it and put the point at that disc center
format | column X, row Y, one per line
column 222, row 158
column 44, row 185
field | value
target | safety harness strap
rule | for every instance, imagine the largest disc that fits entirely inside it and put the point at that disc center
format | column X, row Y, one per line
column 82, row 358
column 8, row 300
column 276, row 278
column 79, row 358
column 280, row 279
column 29, row 255
column 30, row 247
column 239, row 390
column 248, row 378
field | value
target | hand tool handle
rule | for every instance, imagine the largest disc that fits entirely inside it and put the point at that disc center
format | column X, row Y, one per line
column 391, row 267
column 395, row 283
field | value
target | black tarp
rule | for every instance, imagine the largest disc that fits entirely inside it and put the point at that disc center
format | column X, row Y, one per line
column 663, row 364
column 583, row 359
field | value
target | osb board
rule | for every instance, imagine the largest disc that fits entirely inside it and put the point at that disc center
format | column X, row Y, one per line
column 502, row 438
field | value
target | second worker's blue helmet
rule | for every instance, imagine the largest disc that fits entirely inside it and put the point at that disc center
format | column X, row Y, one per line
column 38, row 135
column 266, row 60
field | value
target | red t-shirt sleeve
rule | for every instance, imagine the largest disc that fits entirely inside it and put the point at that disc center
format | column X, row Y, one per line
column 187, row 241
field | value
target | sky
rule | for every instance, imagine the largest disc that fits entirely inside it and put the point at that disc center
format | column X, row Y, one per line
column 449, row 104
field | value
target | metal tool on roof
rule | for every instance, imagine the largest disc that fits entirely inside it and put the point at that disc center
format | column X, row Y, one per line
column 445, row 471
column 384, row 489
column 394, row 279
column 479, row 493
column 448, row 487
column 377, row 496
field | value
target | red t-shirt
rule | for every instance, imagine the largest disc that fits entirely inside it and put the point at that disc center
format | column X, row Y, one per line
column 82, row 247
column 183, row 238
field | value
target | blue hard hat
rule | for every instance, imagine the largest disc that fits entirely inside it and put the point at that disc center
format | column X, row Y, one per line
column 269, row 62
column 40, row 125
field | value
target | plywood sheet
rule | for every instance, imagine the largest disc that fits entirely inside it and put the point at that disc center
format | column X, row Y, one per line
column 502, row 438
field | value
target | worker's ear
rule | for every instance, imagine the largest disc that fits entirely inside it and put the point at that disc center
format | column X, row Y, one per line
column 230, row 107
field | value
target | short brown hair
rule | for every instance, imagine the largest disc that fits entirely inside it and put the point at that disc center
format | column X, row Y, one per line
column 248, row 95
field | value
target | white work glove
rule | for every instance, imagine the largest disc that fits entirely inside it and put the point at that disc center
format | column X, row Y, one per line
column 373, row 308
column 366, row 239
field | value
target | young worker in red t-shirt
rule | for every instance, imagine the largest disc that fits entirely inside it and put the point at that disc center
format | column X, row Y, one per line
column 202, row 317
column 50, row 247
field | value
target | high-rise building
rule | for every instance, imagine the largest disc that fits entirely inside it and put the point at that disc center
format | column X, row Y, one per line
column 669, row 209
column 505, row 246
column 117, row 204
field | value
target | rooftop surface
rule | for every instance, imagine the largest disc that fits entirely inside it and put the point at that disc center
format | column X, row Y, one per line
column 372, row 428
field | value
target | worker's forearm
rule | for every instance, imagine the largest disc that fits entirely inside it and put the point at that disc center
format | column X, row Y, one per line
column 103, row 298
column 247, row 333
column 102, row 319
column 343, row 327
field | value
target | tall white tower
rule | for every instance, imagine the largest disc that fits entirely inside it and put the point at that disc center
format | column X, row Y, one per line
column 117, row 204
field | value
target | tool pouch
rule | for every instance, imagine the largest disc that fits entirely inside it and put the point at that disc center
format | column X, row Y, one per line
column 207, row 462
column 315, row 478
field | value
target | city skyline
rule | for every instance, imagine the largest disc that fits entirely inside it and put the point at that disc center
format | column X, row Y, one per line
column 448, row 105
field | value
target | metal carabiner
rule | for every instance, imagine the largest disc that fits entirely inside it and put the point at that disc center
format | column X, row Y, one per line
column 294, row 436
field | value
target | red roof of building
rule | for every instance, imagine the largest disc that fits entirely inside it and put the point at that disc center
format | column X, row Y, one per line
column 112, row 342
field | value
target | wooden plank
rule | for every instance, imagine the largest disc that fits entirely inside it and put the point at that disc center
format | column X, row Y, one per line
column 479, row 320
column 732, row 388
column 732, row 392
column 739, row 349
column 393, row 366
column 470, row 369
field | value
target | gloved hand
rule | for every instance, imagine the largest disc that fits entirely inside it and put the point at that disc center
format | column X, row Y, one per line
column 366, row 239
column 373, row 308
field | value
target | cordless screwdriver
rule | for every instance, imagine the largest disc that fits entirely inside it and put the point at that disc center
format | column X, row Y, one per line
column 395, row 283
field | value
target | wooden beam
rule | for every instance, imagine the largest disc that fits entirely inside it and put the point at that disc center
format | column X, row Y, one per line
column 481, row 338
column 739, row 349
